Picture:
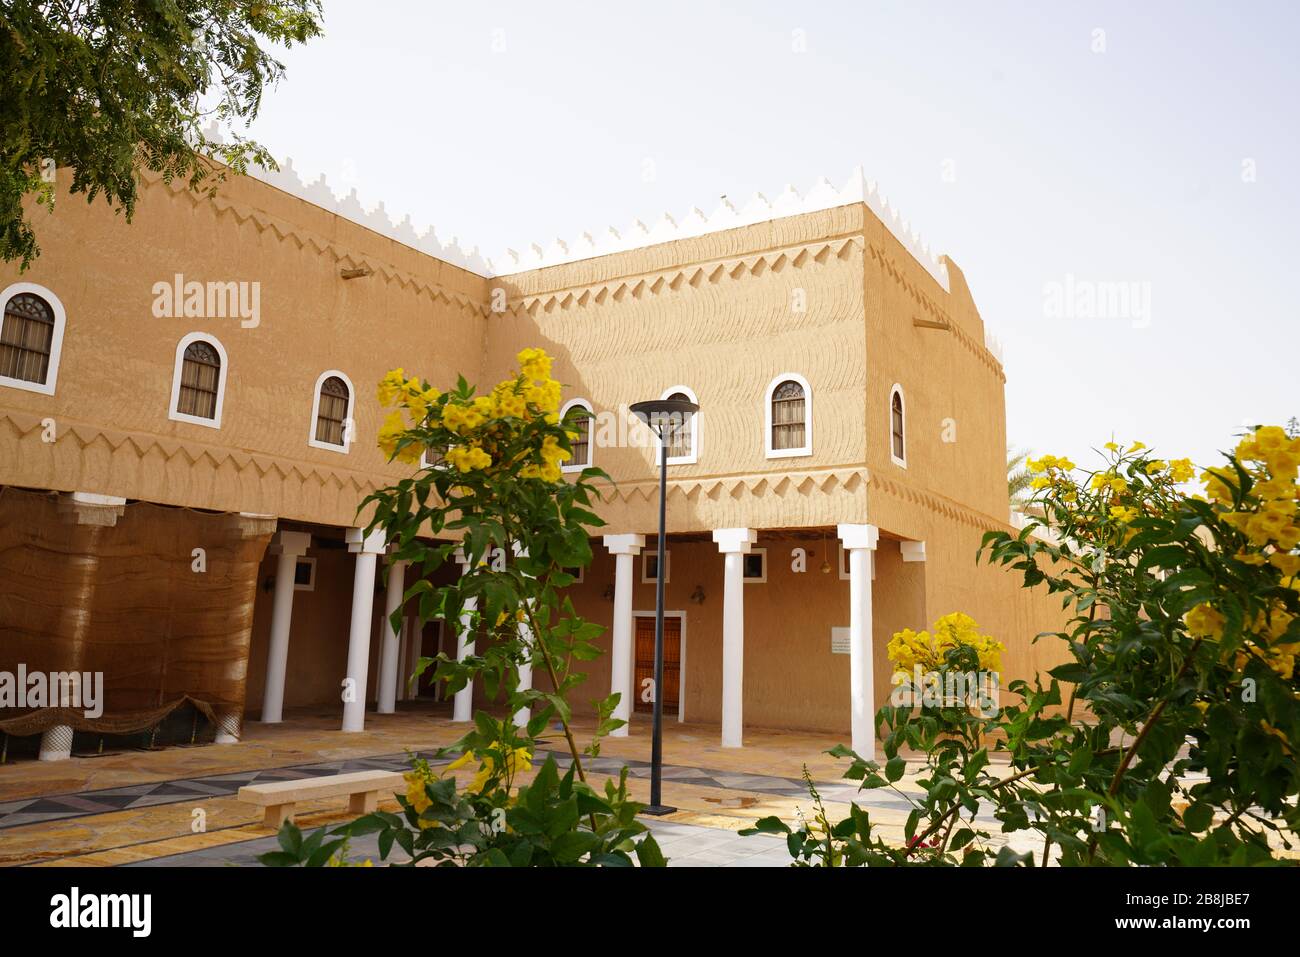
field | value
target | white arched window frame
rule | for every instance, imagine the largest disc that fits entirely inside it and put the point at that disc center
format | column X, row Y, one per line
column 899, row 460
column 692, row 427
column 348, row 421
column 807, row 447
column 56, row 338
column 573, row 465
column 172, row 409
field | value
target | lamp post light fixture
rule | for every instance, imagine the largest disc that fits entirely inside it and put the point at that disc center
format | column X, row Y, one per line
column 665, row 417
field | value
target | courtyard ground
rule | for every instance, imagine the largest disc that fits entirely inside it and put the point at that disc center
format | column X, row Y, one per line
column 142, row 807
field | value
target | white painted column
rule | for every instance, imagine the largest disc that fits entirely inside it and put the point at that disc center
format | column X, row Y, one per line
column 525, row 676
column 289, row 547
column 389, row 650
column 860, row 542
column 462, row 708
column 622, row 663
column 733, row 543
column 526, row 669
column 367, row 548
column 403, row 657
column 414, row 652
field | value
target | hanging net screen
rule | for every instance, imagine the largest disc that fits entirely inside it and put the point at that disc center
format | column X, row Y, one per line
column 132, row 601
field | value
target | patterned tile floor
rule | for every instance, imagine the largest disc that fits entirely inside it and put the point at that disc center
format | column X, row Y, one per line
column 685, row 845
column 178, row 806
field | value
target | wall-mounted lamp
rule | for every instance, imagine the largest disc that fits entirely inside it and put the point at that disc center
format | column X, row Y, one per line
column 608, row 593
column 697, row 596
column 826, row 565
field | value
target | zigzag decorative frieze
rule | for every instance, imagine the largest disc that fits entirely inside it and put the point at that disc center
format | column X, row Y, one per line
column 935, row 503
column 694, row 275
column 822, row 196
column 935, row 312
column 777, row 483
column 304, row 239
column 141, row 445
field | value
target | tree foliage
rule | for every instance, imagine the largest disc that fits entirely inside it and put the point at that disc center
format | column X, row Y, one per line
column 111, row 87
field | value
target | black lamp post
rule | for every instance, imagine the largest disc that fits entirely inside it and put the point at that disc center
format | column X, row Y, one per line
column 664, row 417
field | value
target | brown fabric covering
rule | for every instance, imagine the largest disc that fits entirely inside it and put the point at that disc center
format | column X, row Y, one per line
column 124, row 600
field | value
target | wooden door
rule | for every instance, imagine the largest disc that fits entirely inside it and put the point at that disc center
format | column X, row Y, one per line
column 645, row 663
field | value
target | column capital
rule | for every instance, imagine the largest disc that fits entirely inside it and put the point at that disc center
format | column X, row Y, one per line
column 912, row 551
column 859, row 536
column 291, row 543
column 625, row 544
column 360, row 543
column 739, row 540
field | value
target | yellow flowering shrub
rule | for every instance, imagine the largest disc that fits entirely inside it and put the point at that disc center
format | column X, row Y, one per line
column 490, row 490
column 1186, row 627
column 478, row 433
column 1169, row 735
column 929, row 650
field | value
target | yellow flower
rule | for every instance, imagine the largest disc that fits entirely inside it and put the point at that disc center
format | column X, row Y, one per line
column 1118, row 486
column 1289, row 564
column 1204, row 621
column 390, row 432
column 416, row 796
column 1154, row 466
column 1111, row 447
column 1219, row 484
column 534, row 363
column 517, row 760
column 1041, row 481
column 1123, row 513
column 1181, row 470
column 468, row 458
column 390, row 386
column 1137, row 447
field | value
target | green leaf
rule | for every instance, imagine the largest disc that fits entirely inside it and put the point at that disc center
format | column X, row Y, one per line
column 648, row 853
column 766, row 825
column 290, row 839
column 1198, row 817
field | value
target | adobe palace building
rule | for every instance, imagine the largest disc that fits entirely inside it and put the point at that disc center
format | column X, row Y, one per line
column 188, row 421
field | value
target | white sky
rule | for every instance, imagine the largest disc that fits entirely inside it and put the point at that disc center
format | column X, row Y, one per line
column 1122, row 166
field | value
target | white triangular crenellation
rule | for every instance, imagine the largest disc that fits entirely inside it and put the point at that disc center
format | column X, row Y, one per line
column 758, row 209
column 993, row 344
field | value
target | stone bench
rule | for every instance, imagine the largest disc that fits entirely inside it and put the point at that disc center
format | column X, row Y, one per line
column 362, row 788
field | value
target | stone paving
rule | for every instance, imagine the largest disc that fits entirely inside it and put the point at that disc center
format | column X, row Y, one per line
column 177, row 807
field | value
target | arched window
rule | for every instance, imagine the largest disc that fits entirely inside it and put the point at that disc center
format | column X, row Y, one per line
column 31, row 334
column 199, row 381
column 582, row 446
column 787, row 412
column 331, row 412
column 897, row 427
column 684, row 439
